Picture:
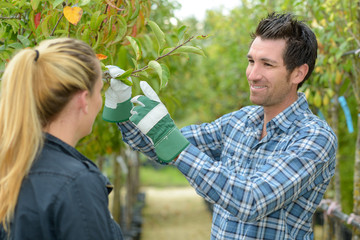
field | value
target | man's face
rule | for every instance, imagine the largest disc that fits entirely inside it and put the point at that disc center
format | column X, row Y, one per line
column 270, row 83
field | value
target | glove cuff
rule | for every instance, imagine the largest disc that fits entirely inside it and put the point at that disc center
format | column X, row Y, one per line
column 170, row 146
column 120, row 114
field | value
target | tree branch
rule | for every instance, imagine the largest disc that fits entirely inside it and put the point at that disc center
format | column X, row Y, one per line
column 17, row 18
column 162, row 56
column 57, row 23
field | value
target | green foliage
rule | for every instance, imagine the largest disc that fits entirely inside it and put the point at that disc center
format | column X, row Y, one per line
column 119, row 30
column 163, row 177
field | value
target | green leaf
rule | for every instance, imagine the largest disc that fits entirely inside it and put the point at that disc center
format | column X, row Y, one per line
column 13, row 24
column 137, row 10
column 31, row 20
column 93, row 20
column 6, row 5
column 44, row 26
column 158, row 69
column 103, row 67
column 126, row 81
column 24, row 40
column 134, row 62
column 126, row 74
column 85, row 35
column 84, row 2
column 202, row 37
column 165, row 76
column 16, row 45
column 95, row 45
column 99, row 20
column 184, row 49
column 35, row 4
column 143, row 74
column 136, row 46
column 180, row 32
column 121, row 28
column 56, row 3
column 129, row 9
column 112, row 34
column 160, row 36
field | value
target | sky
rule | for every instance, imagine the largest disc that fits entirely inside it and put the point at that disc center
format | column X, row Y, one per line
column 197, row 8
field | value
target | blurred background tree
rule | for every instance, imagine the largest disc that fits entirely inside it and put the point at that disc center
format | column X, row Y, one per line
column 200, row 89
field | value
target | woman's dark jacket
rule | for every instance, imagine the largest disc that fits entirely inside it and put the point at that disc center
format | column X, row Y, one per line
column 64, row 196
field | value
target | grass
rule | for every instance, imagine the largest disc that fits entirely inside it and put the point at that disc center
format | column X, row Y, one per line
column 175, row 213
column 167, row 176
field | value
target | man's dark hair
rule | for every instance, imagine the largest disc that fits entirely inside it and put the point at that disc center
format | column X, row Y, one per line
column 301, row 45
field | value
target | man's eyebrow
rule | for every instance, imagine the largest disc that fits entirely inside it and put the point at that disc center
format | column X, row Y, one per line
column 268, row 60
column 263, row 59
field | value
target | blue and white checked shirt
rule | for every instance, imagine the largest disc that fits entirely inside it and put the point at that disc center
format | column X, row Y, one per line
column 261, row 188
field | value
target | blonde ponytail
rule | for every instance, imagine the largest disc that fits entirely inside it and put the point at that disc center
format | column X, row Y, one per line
column 20, row 129
column 36, row 86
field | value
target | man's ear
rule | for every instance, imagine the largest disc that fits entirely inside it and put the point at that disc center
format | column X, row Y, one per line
column 299, row 73
column 83, row 97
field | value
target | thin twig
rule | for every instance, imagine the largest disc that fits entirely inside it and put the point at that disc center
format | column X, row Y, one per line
column 113, row 5
column 17, row 18
column 162, row 56
column 102, row 22
column 57, row 23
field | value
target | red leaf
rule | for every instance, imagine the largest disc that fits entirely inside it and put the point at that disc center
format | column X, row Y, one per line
column 134, row 31
column 37, row 19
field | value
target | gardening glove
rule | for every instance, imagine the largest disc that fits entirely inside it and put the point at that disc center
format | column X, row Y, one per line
column 152, row 118
column 117, row 98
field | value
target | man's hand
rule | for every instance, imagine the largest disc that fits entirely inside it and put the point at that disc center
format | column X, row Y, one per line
column 117, row 98
column 152, row 118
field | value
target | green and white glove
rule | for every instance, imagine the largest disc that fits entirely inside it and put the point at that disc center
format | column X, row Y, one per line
column 117, row 98
column 153, row 119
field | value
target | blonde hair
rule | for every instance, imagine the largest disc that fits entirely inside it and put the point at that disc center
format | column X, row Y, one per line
column 36, row 85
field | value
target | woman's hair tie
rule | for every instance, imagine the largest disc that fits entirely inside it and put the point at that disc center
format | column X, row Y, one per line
column 37, row 55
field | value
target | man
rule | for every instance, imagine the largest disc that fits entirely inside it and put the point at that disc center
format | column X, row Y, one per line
column 265, row 167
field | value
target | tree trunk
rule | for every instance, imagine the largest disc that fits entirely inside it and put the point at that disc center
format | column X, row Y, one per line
column 116, row 208
column 336, row 180
column 356, row 209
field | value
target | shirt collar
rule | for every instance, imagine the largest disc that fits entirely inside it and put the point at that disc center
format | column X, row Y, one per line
column 294, row 112
column 283, row 120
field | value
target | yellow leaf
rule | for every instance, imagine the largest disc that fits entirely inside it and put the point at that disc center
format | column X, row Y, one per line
column 317, row 99
column 73, row 14
column 338, row 77
column 318, row 69
column 323, row 22
column 326, row 100
column 307, row 93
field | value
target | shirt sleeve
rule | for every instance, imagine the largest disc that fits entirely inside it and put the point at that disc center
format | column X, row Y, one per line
column 137, row 140
column 308, row 161
column 208, row 137
column 81, row 210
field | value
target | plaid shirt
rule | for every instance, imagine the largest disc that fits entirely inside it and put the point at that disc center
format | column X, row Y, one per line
column 261, row 188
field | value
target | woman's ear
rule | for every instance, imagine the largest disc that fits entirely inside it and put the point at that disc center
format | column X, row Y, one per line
column 300, row 73
column 83, row 97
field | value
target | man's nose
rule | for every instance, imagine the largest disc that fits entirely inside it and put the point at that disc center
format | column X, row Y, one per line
column 253, row 72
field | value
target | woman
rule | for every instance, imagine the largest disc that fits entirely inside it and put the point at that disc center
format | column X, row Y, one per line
column 49, row 99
